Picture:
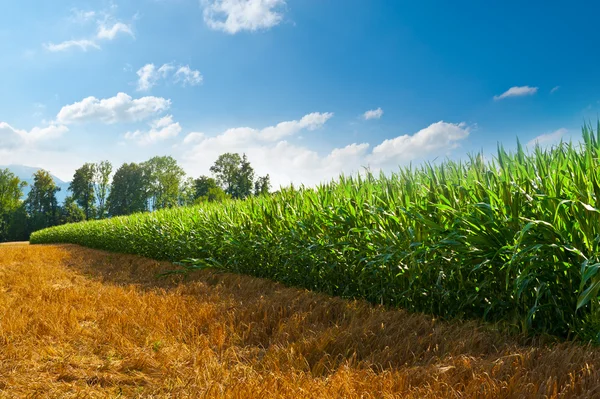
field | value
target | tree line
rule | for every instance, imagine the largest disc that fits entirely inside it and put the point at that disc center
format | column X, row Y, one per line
column 135, row 187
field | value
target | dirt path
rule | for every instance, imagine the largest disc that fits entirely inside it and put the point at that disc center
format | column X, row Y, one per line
column 81, row 323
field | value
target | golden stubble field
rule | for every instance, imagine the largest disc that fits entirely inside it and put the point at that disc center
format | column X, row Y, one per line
column 80, row 323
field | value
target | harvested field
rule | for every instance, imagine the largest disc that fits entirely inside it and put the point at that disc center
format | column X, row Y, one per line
column 77, row 322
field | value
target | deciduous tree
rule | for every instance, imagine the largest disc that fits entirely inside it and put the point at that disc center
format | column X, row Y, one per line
column 82, row 187
column 128, row 191
column 163, row 177
column 102, row 182
column 41, row 203
column 11, row 191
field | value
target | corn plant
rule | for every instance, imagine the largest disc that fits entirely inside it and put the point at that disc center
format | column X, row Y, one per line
column 514, row 240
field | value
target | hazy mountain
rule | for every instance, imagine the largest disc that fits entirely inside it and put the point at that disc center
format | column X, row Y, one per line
column 25, row 173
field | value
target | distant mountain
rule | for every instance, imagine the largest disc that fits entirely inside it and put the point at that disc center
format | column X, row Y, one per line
column 25, row 173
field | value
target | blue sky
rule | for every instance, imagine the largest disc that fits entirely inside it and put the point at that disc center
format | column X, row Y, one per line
column 307, row 88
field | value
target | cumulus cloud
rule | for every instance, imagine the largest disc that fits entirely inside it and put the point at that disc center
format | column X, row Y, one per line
column 11, row 138
column 194, row 137
column 437, row 138
column 149, row 75
column 373, row 114
column 548, row 138
column 233, row 16
column 120, row 108
column 110, row 32
column 160, row 130
column 186, row 75
column 517, row 91
column 270, row 150
column 83, row 44
column 108, row 29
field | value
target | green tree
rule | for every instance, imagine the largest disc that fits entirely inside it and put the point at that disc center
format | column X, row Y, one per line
column 262, row 185
column 163, row 178
column 70, row 212
column 245, row 179
column 207, row 189
column 102, row 182
column 82, row 187
column 186, row 192
column 128, row 191
column 11, row 191
column 225, row 170
column 234, row 174
column 215, row 194
column 18, row 224
column 202, row 185
column 41, row 203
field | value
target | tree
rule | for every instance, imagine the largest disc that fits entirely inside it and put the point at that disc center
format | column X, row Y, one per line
column 186, row 192
column 41, row 203
column 18, row 224
column 128, row 191
column 262, row 185
column 11, row 191
column 234, row 174
column 245, row 179
column 163, row 177
column 82, row 188
column 202, row 185
column 215, row 194
column 225, row 171
column 207, row 189
column 70, row 212
column 101, row 179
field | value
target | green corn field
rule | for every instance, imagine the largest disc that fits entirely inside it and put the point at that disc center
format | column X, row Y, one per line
column 514, row 240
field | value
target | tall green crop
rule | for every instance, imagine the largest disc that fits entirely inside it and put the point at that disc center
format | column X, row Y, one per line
column 513, row 240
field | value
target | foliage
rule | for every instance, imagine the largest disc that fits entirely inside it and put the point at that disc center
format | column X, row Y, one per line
column 163, row 179
column 70, row 212
column 206, row 189
column 102, row 183
column 262, row 185
column 41, row 204
column 82, row 188
column 516, row 240
column 128, row 191
column 11, row 191
column 234, row 174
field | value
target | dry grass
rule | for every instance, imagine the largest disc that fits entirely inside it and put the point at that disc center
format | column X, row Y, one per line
column 78, row 323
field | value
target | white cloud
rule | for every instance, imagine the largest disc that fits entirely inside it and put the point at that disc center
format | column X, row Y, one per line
column 110, row 32
column 554, row 89
column 517, row 91
column 81, row 17
column 165, row 69
column 108, row 29
column 269, row 150
column 548, row 138
column 149, row 75
column 120, row 108
column 233, row 16
column 437, row 138
column 373, row 114
column 11, row 138
column 194, row 137
column 83, row 44
column 188, row 76
column 241, row 135
column 161, row 129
